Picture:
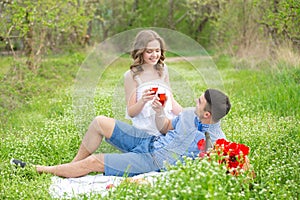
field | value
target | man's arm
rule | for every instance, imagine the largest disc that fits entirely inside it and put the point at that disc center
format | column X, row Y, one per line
column 163, row 124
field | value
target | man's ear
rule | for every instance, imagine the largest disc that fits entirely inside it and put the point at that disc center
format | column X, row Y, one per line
column 207, row 114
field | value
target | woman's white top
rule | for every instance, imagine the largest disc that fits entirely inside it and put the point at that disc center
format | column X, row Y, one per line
column 145, row 120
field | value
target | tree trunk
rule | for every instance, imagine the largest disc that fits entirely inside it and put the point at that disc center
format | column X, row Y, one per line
column 200, row 27
column 171, row 15
column 135, row 6
column 244, row 29
column 28, row 46
column 88, row 34
column 274, row 29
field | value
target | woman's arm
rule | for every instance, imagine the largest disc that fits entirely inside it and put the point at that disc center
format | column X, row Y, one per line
column 134, row 107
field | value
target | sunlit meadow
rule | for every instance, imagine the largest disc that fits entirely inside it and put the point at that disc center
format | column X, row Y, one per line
column 264, row 116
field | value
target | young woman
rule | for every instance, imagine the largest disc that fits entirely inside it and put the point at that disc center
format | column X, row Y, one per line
column 147, row 74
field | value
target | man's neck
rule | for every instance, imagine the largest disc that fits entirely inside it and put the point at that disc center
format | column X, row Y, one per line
column 207, row 121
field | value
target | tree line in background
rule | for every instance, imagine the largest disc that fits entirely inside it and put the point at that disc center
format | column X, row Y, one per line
column 37, row 27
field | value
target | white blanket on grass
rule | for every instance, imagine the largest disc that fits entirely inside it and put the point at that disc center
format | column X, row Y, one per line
column 67, row 188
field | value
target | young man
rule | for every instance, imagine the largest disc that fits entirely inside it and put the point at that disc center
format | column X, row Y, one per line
column 142, row 152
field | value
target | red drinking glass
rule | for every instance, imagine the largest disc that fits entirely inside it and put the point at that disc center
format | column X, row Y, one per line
column 154, row 90
column 162, row 98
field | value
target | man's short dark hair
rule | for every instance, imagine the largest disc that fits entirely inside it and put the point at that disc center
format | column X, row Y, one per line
column 218, row 104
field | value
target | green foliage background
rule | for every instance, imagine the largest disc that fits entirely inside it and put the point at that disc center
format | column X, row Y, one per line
column 41, row 26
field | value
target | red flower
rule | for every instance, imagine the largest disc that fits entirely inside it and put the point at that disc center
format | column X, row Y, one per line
column 221, row 142
column 244, row 149
column 109, row 186
column 201, row 145
column 202, row 154
column 235, row 154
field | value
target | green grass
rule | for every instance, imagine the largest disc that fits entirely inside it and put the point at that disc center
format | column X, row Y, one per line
column 38, row 125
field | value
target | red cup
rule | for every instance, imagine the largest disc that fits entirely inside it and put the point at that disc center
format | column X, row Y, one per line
column 162, row 98
column 154, row 90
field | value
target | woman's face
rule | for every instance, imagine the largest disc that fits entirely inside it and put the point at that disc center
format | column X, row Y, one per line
column 152, row 53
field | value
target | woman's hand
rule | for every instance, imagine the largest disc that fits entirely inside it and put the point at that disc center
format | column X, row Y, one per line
column 147, row 96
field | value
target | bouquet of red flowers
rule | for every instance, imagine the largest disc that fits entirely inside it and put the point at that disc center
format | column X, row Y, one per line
column 232, row 154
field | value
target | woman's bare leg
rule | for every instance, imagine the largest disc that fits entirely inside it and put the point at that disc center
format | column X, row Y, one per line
column 92, row 163
column 100, row 127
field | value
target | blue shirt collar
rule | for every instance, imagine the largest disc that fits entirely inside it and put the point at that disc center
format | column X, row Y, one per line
column 204, row 127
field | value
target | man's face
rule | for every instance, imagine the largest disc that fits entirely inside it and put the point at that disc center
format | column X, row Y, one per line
column 200, row 105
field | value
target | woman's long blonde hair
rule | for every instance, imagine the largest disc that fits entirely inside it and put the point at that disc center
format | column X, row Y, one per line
column 139, row 46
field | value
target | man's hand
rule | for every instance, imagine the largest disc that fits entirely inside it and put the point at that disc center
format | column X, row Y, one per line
column 157, row 106
column 163, row 124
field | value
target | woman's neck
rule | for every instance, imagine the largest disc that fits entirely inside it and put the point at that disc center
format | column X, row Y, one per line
column 147, row 66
